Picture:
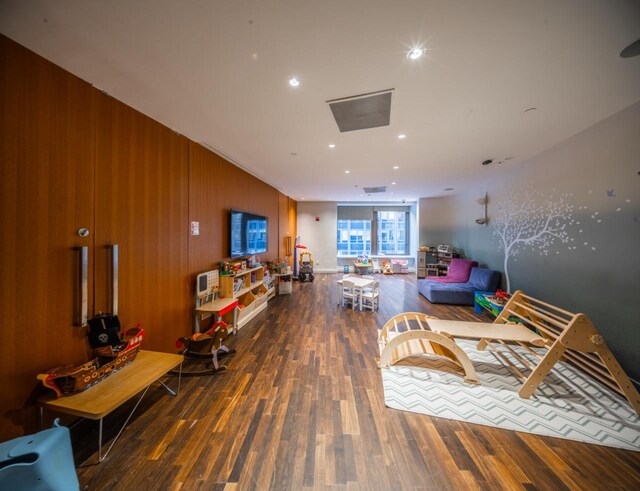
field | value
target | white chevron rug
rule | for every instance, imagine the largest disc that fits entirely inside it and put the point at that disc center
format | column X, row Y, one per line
column 567, row 405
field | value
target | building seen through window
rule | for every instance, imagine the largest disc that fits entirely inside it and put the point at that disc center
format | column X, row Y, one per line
column 386, row 233
column 354, row 237
column 392, row 232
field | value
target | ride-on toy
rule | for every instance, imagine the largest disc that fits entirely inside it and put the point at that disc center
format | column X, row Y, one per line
column 204, row 346
column 306, row 266
column 202, row 350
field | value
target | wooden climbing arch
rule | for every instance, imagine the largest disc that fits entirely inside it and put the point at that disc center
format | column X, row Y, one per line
column 408, row 334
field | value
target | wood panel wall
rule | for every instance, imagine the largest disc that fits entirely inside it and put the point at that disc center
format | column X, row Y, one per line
column 293, row 217
column 141, row 205
column 47, row 141
column 283, row 225
column 287, row 212
column 72, row 157
column 215, row 187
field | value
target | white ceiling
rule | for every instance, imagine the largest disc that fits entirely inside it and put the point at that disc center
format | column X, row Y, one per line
column 217, row 72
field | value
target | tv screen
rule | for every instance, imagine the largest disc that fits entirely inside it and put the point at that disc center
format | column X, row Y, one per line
column 248, row 234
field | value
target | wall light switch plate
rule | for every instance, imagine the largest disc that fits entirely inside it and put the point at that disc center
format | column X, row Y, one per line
column 195, row 228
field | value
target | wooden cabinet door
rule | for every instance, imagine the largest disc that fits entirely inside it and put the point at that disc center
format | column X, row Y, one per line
column 47, row 133
column 142, row 205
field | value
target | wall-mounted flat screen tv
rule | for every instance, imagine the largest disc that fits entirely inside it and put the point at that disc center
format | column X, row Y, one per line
column 247, row 234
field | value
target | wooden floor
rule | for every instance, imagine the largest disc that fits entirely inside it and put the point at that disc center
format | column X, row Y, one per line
column 301, row 407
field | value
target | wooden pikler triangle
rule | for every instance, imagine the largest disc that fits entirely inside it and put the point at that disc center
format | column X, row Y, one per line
column 573, row 337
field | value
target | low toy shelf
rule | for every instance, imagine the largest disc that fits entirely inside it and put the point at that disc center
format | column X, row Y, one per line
column 488, row 301
column 248, row 287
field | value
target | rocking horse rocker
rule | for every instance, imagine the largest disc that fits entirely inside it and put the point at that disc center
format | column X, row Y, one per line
column 204, row 346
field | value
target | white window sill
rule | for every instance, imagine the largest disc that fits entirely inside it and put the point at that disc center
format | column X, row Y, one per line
column 379, row 257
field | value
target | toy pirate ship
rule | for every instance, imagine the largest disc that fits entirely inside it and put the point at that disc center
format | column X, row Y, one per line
column 112, row 352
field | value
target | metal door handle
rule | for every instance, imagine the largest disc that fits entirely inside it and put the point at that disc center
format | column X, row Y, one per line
column 114, row 278
column 83, row 314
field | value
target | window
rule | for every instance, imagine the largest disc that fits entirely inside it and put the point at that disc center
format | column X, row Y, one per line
column 354, row 237
column 392, row 233
column 366, row 230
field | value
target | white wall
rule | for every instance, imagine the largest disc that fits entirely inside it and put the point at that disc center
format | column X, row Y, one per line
column 434, row 221
column 590, row 183
column 320, row 236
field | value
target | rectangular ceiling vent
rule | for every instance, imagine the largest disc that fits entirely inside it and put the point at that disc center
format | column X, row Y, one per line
column 360, row 112
column 379, row 189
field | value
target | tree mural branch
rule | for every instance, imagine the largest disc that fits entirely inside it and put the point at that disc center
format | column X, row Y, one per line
column 527, row 220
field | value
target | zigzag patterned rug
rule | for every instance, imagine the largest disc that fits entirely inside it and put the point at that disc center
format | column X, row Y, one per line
column 567, row 405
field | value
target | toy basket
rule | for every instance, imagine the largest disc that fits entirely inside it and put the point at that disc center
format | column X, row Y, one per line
column 246, row 304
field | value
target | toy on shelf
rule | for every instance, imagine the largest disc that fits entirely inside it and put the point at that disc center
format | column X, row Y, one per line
column 279, row 266
column 400, row 266
column 112, row 352
column 491, row 302
column 363, row 264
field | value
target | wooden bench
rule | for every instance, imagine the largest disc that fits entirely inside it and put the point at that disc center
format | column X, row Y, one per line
column 563, row 334
column 102, row 399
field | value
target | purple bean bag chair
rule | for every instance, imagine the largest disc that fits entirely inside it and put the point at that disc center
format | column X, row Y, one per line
column 459, row 271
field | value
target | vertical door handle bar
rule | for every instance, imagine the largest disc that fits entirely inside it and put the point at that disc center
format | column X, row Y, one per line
column 114, row 276
column 84, row 292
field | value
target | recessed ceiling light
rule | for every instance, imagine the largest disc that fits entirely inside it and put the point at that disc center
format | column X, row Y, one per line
column 393, row 183
column 402, row 136
column 294, row 82
column 415, row 53
column 347, row 172
column 332, row 145
column 396, row 167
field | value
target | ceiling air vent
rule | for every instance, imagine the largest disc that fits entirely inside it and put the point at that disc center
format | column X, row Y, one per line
column 360, row 112
column 379, row 189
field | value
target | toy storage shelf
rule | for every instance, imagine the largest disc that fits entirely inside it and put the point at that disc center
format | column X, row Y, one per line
column 246, row 284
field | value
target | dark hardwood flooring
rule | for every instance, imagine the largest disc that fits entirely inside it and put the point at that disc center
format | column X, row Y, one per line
column 301, row 407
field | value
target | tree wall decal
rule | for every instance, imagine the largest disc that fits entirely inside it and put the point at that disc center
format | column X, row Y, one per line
column 527, row 220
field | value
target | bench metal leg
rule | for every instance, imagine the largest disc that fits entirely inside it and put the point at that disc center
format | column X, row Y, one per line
column 102, row 457
column 171, row 391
